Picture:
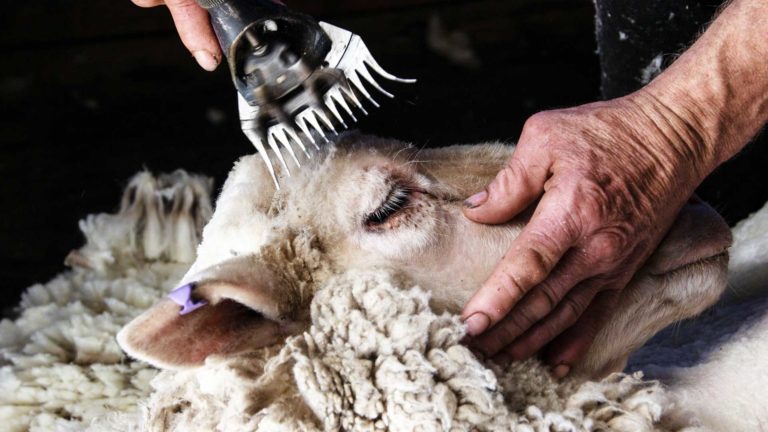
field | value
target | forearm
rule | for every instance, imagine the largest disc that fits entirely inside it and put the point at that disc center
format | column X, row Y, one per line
column 716, row 94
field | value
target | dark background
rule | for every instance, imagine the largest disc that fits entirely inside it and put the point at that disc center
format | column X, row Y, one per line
column 94, row 90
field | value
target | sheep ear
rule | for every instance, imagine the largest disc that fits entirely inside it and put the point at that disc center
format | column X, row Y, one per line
column 243, row 310
column 466, row 169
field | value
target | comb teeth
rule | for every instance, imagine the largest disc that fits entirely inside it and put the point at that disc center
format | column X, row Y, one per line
column 349, row 55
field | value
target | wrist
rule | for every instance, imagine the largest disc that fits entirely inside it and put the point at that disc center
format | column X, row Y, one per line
column 682, row 131
column 676, row 135
column 701, row 115
column 715, row 95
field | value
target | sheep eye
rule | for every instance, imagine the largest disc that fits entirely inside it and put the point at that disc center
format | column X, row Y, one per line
column 398, row 199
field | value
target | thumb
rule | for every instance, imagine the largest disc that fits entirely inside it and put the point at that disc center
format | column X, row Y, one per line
column 513, row 189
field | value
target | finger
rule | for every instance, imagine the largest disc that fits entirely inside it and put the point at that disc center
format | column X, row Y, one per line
column 528, row 262
column 536, row 305
column 196, row 33
column 513, row 189
column 148, row 3
column 565, row 350
column 567, row 313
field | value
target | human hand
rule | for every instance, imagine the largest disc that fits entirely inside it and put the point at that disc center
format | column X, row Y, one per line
column 611, row 177
column 194, row 28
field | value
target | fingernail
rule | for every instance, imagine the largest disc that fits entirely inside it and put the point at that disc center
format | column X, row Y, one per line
column 560, row 371
column 206, row 60
column 476, row 199
column 477, row 323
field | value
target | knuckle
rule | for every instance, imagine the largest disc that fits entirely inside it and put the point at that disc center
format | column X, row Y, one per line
column 492, row 342
column 505, row 181
column 519, row 351
column 610, row 247
column 574, row 308
column 533, row 309
column 549, row 295
column 514, row 177
column 512, row 351
column 547, row 332
column 539, row 265
column 594, row 200
column 541, row 258
column 504, row 334
column 515, row 169
column 557, row 228
column 511, row 287
column 523, row 318
column 515, row 166
column 569, row 227
column 537, row 125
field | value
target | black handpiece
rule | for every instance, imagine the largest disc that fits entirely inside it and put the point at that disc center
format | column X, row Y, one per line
column 292, row 75
column 270, row 49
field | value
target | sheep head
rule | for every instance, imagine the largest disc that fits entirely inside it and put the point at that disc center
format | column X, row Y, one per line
column 373, row 203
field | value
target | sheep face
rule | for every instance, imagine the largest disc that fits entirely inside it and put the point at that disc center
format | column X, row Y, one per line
column 373, row 203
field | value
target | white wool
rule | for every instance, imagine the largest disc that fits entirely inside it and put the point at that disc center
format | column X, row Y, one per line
column 376, row 357
column 727, row 391
column 747, row 268
column 59, row 362
column 717, row 364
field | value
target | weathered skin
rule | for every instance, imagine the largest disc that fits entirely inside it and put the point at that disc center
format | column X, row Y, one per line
column 270, row 250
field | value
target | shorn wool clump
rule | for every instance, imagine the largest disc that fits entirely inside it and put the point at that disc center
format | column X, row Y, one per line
column 60, row 366
column 375, row 356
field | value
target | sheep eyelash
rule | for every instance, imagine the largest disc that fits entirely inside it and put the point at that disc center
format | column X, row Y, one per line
column 398, row 199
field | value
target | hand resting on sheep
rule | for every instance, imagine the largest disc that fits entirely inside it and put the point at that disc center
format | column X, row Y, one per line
column 369, row 203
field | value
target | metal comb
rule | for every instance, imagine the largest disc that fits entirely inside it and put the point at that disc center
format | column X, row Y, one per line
column 296, row 78
column 348, row 55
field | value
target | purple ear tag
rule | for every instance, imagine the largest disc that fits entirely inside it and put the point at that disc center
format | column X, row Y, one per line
column 182, row 296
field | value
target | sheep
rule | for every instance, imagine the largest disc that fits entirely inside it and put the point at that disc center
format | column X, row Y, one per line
column 715, row 365
column 160, row 218
column 747, row 262
column 370, row 204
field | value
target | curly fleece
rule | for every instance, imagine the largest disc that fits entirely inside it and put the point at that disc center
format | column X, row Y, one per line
column 377, row 358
